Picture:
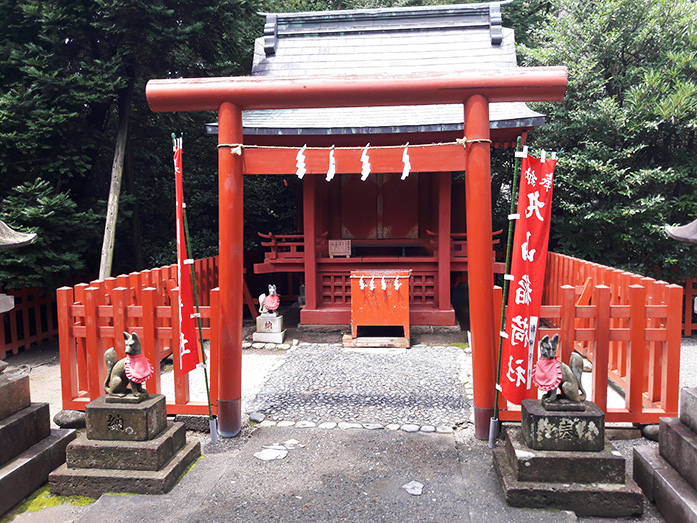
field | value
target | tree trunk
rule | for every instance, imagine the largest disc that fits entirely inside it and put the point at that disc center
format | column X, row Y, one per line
column 115, row 186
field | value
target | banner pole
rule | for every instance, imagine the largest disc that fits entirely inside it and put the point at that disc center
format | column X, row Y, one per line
column 212, row 421
column 495, row 424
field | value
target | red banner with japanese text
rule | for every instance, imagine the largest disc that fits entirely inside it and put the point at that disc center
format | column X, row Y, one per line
column 188, row 348
column 529, row 257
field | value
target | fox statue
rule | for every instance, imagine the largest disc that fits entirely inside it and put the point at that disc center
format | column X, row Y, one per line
column 134, row 369
column 553, row 376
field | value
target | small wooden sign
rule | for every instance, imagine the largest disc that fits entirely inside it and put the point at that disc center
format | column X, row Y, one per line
column 340, row 248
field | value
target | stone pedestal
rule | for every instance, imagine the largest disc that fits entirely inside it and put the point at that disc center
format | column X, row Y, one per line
column 562, row 430
column 126, row 421
column 29, row 448
column 269, row 329
column 668, row 474
column 562, row 460
column 126, row 448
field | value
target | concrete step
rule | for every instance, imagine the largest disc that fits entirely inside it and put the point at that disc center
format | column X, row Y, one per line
column 23, row 429
column 554, row 466
column 27, row 471
column 94, row 482
column 127, row 455
column 674, row 497
column 585, row 499
column 678, row 446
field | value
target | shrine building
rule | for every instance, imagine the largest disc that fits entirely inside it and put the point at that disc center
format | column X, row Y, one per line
column 389, row 222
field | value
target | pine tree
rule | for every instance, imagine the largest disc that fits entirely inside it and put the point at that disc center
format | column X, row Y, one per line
column 627, row 128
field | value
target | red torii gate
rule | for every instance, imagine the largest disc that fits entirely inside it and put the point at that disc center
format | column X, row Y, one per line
column 475, row 89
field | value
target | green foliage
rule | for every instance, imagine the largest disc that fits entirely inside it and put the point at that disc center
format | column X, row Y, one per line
column 270, row 206
column 64, row 69
column 63, row 236
column 524, row 16
column 627, row 128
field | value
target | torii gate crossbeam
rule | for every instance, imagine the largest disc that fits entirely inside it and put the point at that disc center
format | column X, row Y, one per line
column 475, row 89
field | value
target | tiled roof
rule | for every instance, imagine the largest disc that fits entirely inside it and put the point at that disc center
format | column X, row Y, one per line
column 385, row 41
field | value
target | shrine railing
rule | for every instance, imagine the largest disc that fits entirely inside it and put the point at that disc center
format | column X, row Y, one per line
column 92, row 317
column 31, row 321
column 627, row 325
column 283, row 246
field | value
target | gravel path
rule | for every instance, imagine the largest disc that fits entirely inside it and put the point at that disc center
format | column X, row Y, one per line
column 688, row 362
column 327, row 383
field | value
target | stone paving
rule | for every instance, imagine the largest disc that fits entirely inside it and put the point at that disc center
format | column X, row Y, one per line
column 421, row 389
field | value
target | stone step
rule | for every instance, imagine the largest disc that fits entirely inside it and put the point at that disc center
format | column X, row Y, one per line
column 585, row 499
column 688, row 408
column 606, row 466
column 95, row 482
column 14, row 391
column 127, row 455
column 23, row 429
column 678, row 446
column 674, row 497
column 28, row 471
column 375, row 341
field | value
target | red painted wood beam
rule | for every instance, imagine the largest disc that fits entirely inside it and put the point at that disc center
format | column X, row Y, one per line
column 310, row 237
column 230, row 270
column 436, row 158
column 444, row 240
column 516, row 84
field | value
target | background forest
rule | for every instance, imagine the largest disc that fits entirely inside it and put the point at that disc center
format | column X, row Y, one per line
column 73, row 73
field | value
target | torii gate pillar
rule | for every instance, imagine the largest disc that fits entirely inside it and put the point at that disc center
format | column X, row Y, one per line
column 230, row 271
column 480, row 266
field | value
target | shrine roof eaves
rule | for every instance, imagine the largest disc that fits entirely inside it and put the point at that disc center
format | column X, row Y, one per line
column 379, row 120
column 405, row 40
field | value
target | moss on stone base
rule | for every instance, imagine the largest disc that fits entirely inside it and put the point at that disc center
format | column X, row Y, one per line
column 42, row 498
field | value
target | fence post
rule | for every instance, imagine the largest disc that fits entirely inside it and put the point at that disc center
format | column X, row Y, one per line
column 658, row 297
column 67, row 349
column 149, row 341
column 601, row 298
column 36, row 306
column 25, row 319
column 95, row 386
column 14, row 314
column 689, row 293
column 214, row 355
column 122, row 281
column 567, row 321
column 109, row 284
column 636, row 353
column 119, row 302
column 79, row 297
column 134, row 284
column 670, row 379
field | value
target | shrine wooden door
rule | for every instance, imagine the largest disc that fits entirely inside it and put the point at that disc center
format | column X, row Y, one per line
column 384, row 206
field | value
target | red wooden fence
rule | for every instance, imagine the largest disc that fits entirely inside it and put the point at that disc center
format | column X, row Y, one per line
column 689, row 324
column 627, row 325
column 93, row 317
column 32, row 321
